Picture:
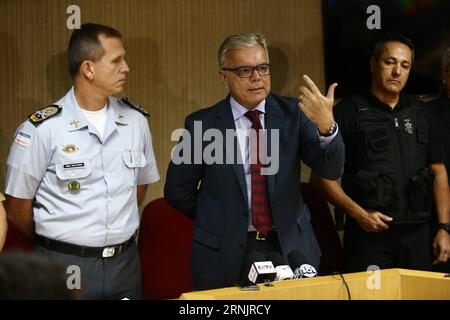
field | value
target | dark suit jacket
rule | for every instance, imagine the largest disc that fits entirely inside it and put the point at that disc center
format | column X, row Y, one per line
column 438, row 112
column 215, row 195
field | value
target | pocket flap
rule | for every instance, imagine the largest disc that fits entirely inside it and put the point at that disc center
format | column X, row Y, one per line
column 73, row 170
column 378, row 139
column 134, row 159
column 207, row 238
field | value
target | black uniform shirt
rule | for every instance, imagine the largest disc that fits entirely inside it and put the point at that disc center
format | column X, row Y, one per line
column 345, row 114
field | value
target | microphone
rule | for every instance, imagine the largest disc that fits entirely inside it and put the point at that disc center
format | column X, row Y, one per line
column 284, row 271
column 300, row 265
column 262, row 271
column 257, row 269
column 244, row 282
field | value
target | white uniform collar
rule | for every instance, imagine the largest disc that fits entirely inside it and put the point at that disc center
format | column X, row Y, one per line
column 76, row 118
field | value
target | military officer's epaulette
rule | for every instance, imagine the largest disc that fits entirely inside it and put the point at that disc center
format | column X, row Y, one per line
column 127, row 102
column 40, row 116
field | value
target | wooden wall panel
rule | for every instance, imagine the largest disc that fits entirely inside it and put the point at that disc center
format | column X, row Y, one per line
column 171, row 49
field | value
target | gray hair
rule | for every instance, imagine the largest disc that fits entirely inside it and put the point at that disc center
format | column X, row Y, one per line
column 446, row 59
column 240, row 41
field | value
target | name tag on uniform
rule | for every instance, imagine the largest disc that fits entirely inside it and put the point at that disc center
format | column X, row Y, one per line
column 73, row 166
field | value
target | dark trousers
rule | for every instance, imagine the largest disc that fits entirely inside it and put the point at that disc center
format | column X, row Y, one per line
column 401, row 246
column 116, row 278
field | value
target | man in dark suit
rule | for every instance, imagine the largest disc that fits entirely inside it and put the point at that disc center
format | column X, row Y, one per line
column 242, row 203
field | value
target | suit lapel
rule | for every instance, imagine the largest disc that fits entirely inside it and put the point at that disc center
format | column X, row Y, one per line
column 273, row 120
column 226, row 121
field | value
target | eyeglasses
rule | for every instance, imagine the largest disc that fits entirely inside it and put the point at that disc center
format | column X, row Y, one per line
column 247, row 71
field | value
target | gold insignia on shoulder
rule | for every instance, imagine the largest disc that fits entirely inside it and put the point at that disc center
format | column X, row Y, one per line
column 44, row 114
column 127, row 102
column 70, row 148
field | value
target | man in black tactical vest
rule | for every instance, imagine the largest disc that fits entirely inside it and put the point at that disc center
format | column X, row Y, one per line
column 392, row 170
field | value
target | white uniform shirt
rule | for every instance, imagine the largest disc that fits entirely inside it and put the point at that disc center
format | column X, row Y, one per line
column 45, row 158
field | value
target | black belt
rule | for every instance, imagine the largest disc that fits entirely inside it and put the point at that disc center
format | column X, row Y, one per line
column 260, row 237
column 84, row 251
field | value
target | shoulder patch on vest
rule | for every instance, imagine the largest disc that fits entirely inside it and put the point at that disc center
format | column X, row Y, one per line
column 127, row 102
column 40, row 116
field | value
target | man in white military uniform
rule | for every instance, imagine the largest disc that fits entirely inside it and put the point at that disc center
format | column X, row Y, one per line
column 78, row 169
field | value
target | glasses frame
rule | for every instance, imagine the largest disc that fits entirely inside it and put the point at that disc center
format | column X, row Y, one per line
column 236, row 70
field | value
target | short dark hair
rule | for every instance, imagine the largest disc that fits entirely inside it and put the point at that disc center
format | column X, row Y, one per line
column 392, row 37
column 85, row 45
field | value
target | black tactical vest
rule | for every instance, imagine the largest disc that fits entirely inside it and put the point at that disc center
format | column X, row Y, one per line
column 393, row 174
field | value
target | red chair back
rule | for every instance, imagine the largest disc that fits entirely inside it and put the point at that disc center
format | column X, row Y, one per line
column 164, row 243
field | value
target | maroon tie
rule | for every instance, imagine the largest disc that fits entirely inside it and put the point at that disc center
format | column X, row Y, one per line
column 261, row 218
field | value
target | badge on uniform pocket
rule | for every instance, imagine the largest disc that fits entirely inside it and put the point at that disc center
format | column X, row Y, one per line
column 409, row 128
column 74, row 185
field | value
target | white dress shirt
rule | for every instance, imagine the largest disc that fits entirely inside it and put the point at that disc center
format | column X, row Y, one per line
column 243, row 124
